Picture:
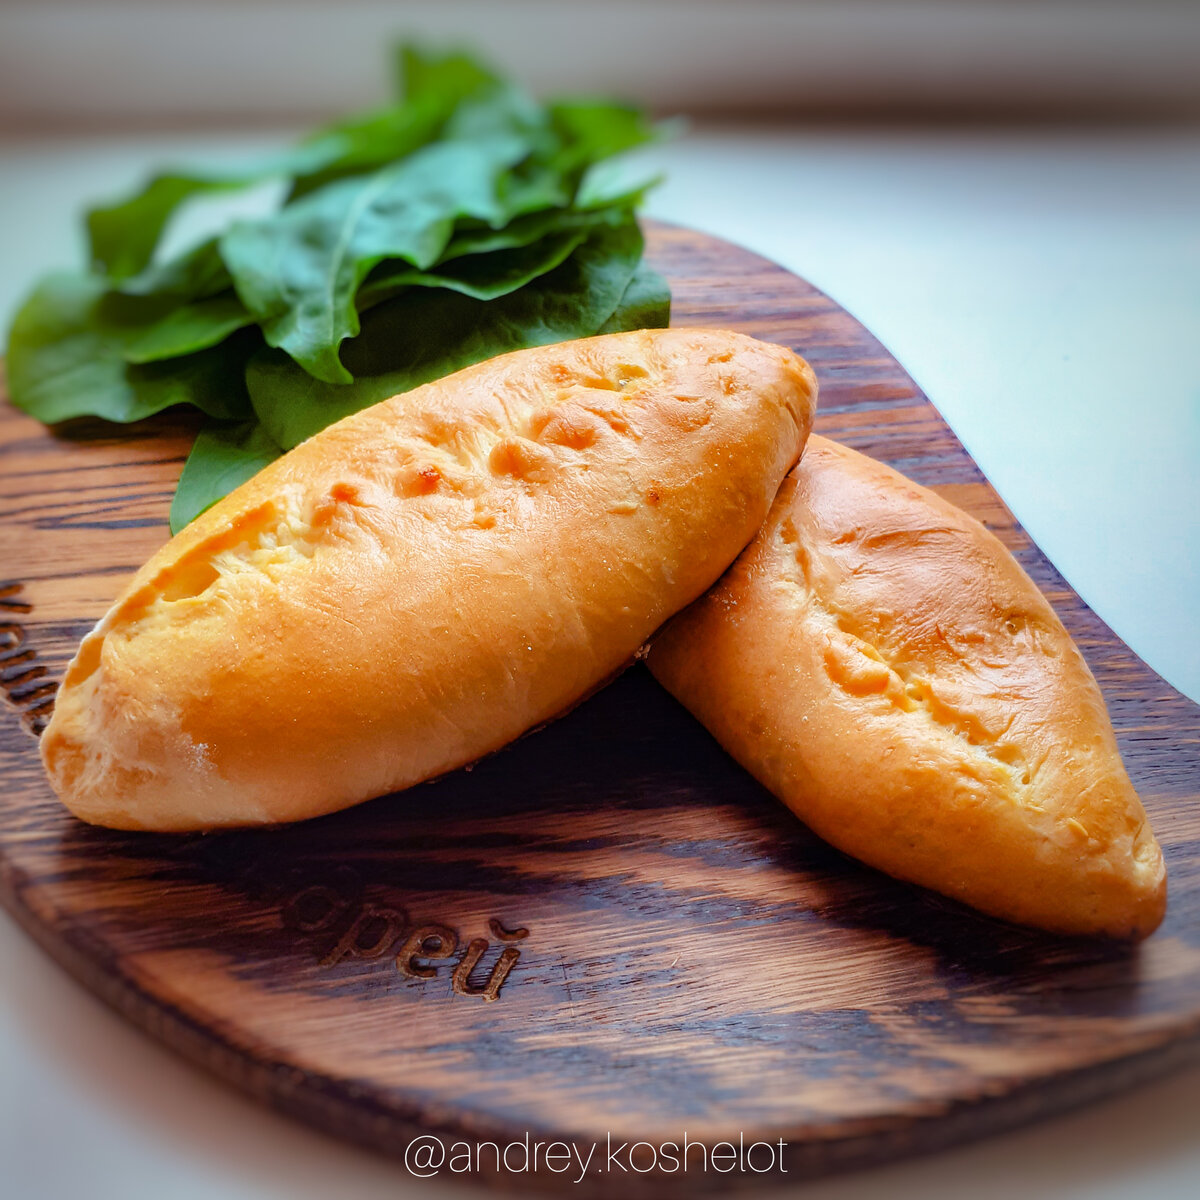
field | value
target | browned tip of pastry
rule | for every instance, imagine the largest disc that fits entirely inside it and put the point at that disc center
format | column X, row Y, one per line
column 880, row 661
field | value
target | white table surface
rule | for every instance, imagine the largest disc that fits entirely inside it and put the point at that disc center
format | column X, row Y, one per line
column 1044, row 290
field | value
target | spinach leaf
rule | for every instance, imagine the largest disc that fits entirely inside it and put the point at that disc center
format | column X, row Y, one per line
column 122, row 237
column 225, row 455
column 432, row 87
column 595, row 129
column 365, row 142
column 298, row 272
column 423, row 74
column 425, row 334
column 194, row 275
column 311, row 312
column 484, row 276
column 532, row 227
column 645, row 304
column 66, row 359
column 189, row 328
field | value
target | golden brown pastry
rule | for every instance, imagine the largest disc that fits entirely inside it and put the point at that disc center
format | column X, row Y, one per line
column 424, row 581
column 881, row 663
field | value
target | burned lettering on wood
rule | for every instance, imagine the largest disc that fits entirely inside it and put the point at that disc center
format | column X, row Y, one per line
column 429, row 941
column 508, row 959
column 361, row 929
column 22, row 677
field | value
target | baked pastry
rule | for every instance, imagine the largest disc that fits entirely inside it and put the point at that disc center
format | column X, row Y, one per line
column 424, row 581
column 880, row 662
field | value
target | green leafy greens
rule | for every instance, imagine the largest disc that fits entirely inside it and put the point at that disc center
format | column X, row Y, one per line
column 460, row 222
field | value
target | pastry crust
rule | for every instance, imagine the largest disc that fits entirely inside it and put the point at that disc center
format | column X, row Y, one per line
column 424, row 581
column 881, row 663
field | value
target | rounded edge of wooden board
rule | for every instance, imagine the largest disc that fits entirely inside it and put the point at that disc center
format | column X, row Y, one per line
column 334, row 1106
column 329, row 1107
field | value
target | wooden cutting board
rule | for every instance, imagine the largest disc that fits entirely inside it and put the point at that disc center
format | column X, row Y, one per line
column 608, row 927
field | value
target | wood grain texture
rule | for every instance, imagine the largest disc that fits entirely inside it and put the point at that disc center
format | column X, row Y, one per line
column 608, row 926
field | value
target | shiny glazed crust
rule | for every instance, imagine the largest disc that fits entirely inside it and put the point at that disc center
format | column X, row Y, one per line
column 424, row 581
column 880, row 662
